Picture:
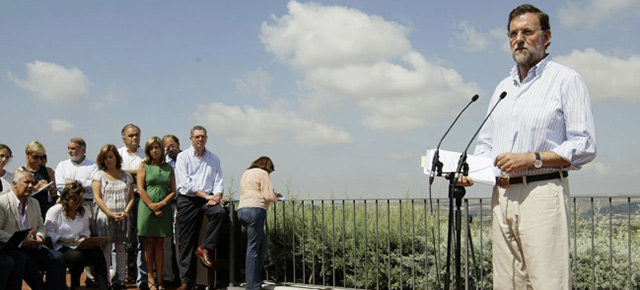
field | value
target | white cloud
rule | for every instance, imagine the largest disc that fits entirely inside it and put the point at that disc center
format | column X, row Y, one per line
column 53, row 83
column 400, row 155
column 593, row 12
column 60, row 126
column 312, row 35
column 362, row 59
column 598, row 167
column 249, row 126
column 113, row 96
column 607, row 77
column 468, row 38
column 255, row 82
column 499, row 34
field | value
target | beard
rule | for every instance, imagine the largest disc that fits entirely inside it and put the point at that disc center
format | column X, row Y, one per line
column 75, row 158
column 529, row 56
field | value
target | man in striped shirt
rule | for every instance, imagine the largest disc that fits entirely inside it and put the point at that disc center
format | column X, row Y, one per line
column 542, row 129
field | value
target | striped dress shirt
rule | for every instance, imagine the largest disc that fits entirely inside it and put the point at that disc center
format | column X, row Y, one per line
column 549, row 111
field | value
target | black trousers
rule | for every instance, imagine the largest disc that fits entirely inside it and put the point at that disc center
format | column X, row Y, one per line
column 78, row 259
column 189, row 220
column 51, row 261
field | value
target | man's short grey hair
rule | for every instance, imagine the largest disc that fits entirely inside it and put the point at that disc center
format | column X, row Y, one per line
column 127, row 126
column 79, row 141
column 196, row 128
column 18, row 175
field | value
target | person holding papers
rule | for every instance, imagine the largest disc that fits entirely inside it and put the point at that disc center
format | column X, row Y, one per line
column 67, row 224
column 45, row 191
column 256, row 193
column 542, row 129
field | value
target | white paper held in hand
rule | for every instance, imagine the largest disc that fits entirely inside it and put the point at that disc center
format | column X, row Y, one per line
column 481, row 169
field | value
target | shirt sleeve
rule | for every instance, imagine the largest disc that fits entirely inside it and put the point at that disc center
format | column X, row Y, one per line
column 87, row 183
column 60, row 181
column 266, row 188
column 86, row 231
column 218, row 186
column 184, row 184
column 51, row 224
column 580, row 146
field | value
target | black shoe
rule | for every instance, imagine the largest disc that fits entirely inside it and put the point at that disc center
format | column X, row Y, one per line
column 90, row 283
column 143, row 286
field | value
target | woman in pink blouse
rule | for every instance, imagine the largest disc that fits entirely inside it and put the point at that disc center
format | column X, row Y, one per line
column 256, row 193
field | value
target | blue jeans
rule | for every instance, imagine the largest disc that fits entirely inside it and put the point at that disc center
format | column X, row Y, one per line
column 254, row 218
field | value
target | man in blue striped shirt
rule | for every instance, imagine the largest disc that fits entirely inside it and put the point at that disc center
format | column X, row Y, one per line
column 542, row 129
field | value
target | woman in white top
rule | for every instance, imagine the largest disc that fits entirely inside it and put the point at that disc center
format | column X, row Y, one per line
column 5, row 176
column 67, row 224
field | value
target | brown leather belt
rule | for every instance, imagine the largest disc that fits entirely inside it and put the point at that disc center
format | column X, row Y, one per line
column 507, row 181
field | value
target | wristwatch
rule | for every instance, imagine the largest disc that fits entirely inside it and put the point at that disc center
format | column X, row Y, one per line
column 538, row 162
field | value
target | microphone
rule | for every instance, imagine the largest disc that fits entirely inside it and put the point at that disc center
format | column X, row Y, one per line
column 463, row 158
column 435, row 163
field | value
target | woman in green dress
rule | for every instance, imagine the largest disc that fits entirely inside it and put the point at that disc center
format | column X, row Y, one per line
column 157, row 187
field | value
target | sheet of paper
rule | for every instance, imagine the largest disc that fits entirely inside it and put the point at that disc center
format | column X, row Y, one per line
column 42, row 188
column 481, row 169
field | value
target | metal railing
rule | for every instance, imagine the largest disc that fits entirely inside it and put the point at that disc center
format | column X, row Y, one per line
column 401, row 243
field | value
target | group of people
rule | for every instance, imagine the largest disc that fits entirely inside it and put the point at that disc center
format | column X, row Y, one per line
column 150, row 194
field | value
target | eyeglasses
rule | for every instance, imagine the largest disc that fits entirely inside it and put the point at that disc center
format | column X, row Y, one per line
column 513, row 34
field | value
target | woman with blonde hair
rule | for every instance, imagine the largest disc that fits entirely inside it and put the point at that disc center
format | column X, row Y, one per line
column 157, row 188
column 45, row 190
column 256, row 193
column 113, row 194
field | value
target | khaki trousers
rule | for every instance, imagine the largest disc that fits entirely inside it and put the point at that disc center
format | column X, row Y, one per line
column 531, row 236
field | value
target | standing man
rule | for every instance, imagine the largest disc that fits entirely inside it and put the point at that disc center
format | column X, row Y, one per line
column 80, row 170
column 77, row 169
column 20, row 211
column 132, row 156
column 542, row 129
column 171, row 145
column 200, row 189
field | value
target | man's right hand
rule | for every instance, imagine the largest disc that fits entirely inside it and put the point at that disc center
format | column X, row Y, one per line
column 31, row 241
column 464, row 181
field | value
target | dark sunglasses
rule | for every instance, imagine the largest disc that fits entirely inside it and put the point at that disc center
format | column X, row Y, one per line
column 36, row 157
column 73, row 186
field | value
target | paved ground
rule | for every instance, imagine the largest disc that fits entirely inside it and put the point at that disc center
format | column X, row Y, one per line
column 289, row 286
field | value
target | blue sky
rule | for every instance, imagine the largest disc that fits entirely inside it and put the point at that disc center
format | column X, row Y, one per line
column 344, row 96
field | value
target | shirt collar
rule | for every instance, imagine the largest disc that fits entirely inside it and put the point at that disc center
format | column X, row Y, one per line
column 533, row 71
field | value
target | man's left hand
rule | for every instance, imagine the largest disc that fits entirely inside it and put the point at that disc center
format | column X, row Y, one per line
column 509, row 162
column 214, row 200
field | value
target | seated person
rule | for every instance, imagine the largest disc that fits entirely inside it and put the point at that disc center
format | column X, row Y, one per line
column 20, row 211
column 67, row 224
column 11, row 270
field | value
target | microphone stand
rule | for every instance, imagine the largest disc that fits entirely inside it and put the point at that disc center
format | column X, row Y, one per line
column 436, row 167
column 456, row 193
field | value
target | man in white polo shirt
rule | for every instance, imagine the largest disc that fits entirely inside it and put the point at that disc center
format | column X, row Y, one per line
column 78, row 169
